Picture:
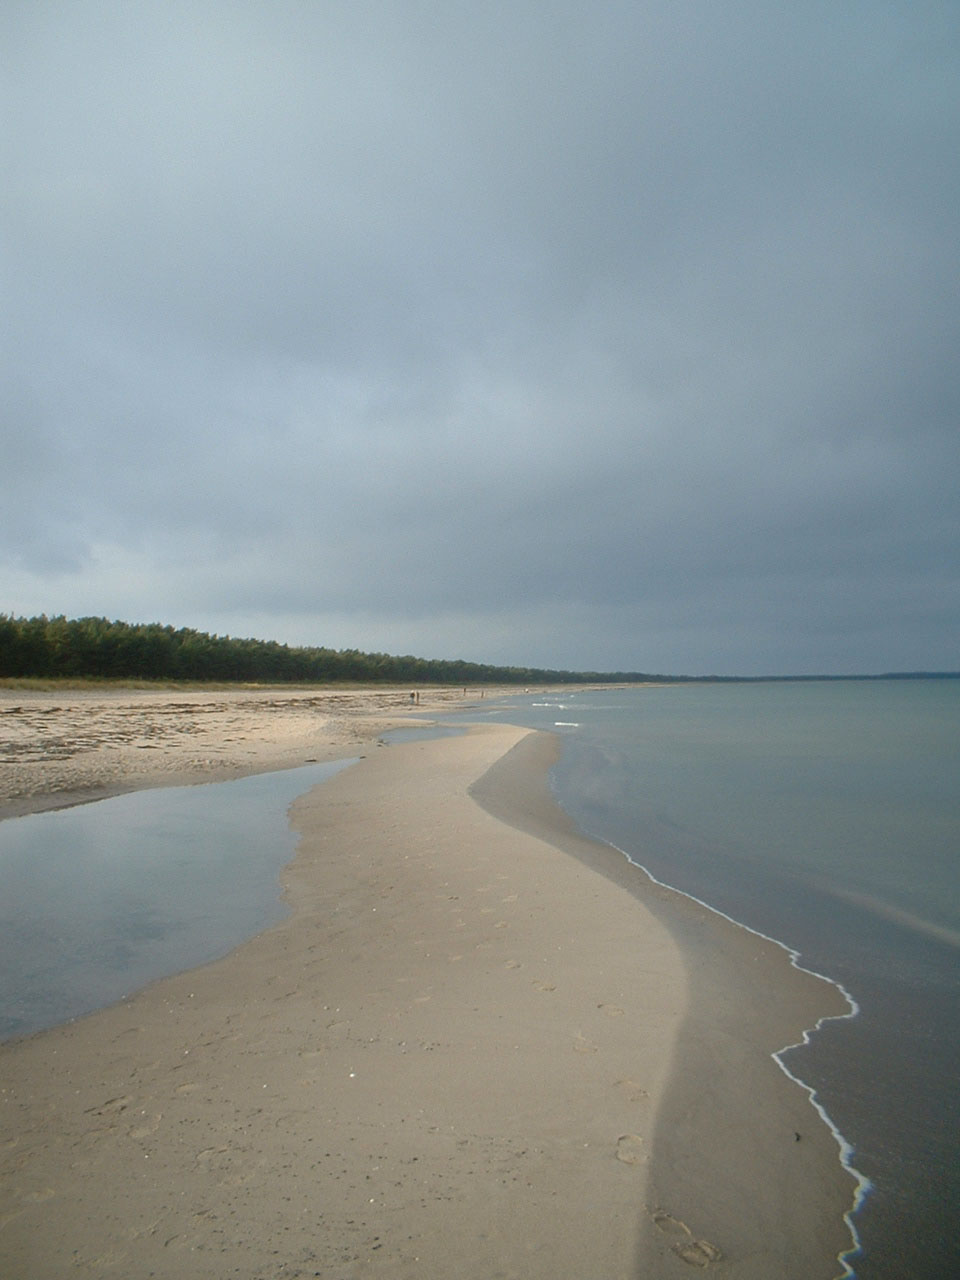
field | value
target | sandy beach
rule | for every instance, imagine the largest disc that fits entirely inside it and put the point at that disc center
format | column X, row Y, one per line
column 82, row 744
column 480, row 1045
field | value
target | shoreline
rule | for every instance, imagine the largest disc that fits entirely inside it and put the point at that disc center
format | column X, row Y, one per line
column 845, row 1150
column 655, row 1047
column 722, row 956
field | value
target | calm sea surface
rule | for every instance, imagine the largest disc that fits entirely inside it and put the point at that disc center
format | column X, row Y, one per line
column 100, row 899
column 825, row 815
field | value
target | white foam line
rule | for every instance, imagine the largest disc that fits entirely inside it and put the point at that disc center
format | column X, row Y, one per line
column 566, row 724
column 864, row 1185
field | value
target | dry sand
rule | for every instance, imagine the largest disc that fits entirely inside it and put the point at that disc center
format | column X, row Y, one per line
column 59, row 748
column 476, row 1048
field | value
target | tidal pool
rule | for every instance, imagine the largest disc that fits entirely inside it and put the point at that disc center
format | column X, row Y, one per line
column 99, row 899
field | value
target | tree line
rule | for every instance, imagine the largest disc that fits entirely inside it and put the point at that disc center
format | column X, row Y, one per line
column 81, row 648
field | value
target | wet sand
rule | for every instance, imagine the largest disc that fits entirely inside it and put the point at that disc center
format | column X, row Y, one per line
column 475, row 1047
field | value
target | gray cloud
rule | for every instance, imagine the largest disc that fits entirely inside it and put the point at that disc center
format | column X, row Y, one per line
column 527, row 333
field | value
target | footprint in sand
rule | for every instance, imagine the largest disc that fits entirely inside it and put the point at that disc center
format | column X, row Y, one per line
column 38, row 1197
column 698, row 1253
column 611, row 1010
column 148, row 1125
column 635, row 1091
column 630, row 1149
column 544, row 986
column 583, row 1045
column 209, row 1152
column 111, row 1104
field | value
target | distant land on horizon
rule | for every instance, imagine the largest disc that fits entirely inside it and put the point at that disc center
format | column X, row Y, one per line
column 97, row 648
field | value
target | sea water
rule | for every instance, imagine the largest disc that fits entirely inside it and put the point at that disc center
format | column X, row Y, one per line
column 825, row 815
column 99, row 899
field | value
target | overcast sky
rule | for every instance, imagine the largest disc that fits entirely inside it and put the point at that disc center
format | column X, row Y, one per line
column 587, row 335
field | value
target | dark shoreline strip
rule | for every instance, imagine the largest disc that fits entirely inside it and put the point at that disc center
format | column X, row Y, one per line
column 720, row 1099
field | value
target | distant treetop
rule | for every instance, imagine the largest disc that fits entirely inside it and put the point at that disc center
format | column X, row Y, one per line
column 96, row 647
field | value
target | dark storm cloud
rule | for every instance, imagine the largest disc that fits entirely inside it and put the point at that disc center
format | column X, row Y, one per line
column 618, row 337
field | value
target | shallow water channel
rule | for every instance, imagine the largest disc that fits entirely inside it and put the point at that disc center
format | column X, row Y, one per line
column 99, row 899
